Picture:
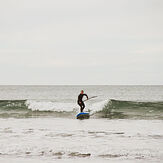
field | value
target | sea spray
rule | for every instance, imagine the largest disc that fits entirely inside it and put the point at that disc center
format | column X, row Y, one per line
column 46, row 105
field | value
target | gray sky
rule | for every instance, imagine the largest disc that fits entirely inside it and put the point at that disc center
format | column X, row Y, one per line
column 81, row 42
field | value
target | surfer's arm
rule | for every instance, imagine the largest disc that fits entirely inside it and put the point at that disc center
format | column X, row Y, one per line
column 86, row 96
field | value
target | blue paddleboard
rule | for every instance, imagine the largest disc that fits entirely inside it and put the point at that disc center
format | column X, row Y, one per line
column 83, row 115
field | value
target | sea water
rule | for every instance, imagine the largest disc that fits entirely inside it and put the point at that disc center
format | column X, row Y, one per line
column 38, row 124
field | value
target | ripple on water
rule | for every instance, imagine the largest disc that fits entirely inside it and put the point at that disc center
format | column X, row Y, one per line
column 112, row 155
column 77, row 154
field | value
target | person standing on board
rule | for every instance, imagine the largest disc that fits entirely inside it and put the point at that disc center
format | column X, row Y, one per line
column 80, row 100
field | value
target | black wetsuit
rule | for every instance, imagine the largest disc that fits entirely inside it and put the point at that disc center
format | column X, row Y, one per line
column 80, row 101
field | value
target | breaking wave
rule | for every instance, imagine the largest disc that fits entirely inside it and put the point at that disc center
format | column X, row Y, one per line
column 132, row 109
column 113, row 109
column 34, row 108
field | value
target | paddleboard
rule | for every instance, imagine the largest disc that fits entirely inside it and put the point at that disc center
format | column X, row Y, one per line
column 83, row 115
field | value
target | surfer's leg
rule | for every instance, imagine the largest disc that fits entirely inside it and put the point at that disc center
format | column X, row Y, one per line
column 81, row 109
column 83, row 106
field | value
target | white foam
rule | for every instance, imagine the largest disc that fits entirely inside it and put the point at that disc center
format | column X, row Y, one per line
column 44, row 138
column 50, row 106
column 98, row 106
column 42, row 105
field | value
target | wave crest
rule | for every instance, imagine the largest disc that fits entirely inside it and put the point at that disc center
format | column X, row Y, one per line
column 132, row 109
column 103, row 109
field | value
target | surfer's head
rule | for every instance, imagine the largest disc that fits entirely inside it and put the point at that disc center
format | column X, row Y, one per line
column 82, row 91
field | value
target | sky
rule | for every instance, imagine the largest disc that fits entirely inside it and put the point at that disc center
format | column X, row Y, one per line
column 81, row 42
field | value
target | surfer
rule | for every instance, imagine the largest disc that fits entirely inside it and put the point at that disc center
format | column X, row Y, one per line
column 80, row 100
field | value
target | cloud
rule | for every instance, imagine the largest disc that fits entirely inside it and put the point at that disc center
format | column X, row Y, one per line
column 100, row 37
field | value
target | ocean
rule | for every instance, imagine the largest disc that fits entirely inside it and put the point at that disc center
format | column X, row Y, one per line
column 38, row 124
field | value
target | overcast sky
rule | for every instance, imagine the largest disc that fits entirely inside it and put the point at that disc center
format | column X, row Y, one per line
column 81, row 42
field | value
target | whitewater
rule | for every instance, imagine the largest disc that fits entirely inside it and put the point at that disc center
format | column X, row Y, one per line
column 38, row 124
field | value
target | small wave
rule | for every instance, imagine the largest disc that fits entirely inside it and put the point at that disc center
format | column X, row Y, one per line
column 132, row 109
column 98, row 106
column 103, row 109
column 112, row 155
column 77, row 154
column 35, row 108
column 12, row 105
column 36, row 105
column 50, row 106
